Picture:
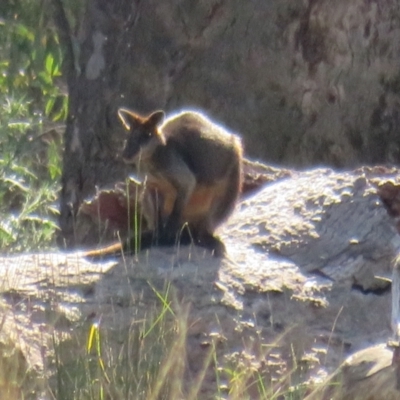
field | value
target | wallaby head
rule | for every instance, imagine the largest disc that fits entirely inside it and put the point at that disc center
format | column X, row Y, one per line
column 143, row 134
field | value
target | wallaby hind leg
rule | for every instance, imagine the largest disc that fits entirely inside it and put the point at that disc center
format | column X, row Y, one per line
column 149, row 239
column 163, row 234
column 184, row 182
column 223, row 206
column 212, row 243
column 187, row 236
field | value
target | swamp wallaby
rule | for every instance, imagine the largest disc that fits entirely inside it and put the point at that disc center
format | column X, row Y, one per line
column 193, row 163
column 194, row 166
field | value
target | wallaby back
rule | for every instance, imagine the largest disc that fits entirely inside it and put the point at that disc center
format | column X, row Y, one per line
column 207, row 149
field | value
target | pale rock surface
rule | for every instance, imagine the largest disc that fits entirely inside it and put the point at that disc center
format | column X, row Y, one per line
column 307, row 273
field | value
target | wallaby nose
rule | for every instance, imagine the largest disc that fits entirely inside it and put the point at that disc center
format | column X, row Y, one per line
column 130, row 151
column 128, row 160
column 131, row 154
column 127, row 157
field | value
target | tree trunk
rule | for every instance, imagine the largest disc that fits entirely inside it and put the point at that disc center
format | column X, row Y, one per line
column 90, row 156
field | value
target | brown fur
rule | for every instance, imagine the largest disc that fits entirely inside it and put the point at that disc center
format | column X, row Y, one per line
column 193, row 163
column 194, row 166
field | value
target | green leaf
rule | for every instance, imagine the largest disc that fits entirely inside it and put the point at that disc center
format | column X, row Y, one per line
column 45, row 78
column 6, row 237
column 49, row 105
column 23, row 31
column 49, row 64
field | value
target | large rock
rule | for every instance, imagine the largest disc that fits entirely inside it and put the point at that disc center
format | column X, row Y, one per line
column 306, row 282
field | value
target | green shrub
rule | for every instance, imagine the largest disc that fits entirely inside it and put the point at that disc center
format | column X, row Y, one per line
column 32, row 108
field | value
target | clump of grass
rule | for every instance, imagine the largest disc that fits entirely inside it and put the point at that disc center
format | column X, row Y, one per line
column 31, row 99
column 148, row 363
column 29, row 174
column 148, row 360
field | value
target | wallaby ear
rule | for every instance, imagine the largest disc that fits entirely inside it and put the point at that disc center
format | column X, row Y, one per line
column 127, row 117
column 156, row 118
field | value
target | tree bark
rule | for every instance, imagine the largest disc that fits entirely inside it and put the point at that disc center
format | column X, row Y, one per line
column 90, row 155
